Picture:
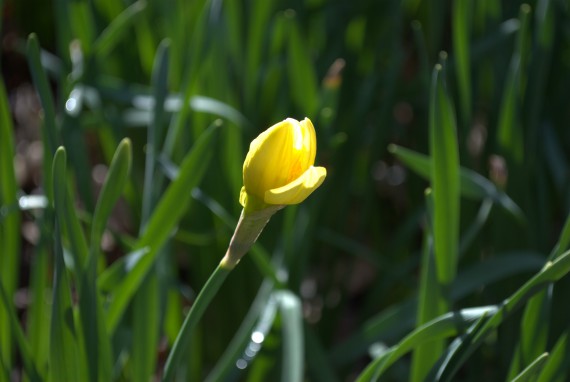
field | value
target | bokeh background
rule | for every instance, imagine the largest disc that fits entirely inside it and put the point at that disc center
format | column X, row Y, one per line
column 353, row 260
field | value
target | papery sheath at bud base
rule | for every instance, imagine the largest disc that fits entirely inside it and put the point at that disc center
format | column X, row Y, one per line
column 278, row 171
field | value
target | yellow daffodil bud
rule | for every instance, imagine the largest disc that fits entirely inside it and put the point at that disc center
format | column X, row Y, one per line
column 278, row 169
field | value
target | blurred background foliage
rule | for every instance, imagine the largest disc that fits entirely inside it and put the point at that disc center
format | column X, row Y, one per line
column 356, row 260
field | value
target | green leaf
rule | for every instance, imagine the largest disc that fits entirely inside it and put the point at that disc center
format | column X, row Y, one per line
column 145, row 326
column 242, row 336
column 461, row 30
column 50, row 132
column 509, row 129
column 293, row 337
column 113, row 275
column 81, row 21
column 146, row 303
column 473, row 185
column 439, row 328
column 531, row 373
column 458, row 346
column 256, row 33
column 535, row 322
column 301, row 73
column 64, row 354
column 170, row 209
column 9, row 224
column 550, row 273
column 38, row 316
column 155, row 127
column 113, row 187
column 556, row 368
column 444, row 179
column 20, row 339
column 397, row 320
column 112, row 35
column 444, row 326
column 563, row 241
column 431, row 303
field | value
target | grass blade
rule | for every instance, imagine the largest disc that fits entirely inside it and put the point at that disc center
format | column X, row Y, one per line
column 64, row 355
column 301, row 72
column 109, row 38
column 509, row 132
column 461, row 31
column 51, row 134
column 146, row 302
column 397, row 320
column 293, row 337
column 431, row 303
column 444, row 179
column 556, row 368
column 9, row 224
column 115, row 182
column 442, row 327
column 154, row 134
column 473, row 185
column 457, row 347
column 535, row 322
column 550, row 273
column 163, row 220
column 533, row 370
column 112, row 189
column 242, row 335
column 23, row 346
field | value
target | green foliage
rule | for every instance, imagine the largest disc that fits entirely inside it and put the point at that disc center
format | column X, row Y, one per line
column 442, row 229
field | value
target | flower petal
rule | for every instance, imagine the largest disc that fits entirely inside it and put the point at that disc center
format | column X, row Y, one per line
column 299, row 189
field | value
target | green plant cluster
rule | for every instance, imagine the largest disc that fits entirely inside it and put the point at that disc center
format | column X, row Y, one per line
column 436, row 249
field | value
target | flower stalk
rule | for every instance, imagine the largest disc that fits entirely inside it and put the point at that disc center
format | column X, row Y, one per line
column 278, row 171
column 247, row 231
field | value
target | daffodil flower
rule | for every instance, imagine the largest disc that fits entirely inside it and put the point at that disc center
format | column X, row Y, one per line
column 278, row 171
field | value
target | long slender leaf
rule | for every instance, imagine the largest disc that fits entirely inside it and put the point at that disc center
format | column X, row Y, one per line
column 551, row 272
column 163, row 220
column 23, row 346
column 293, row 337
column 242, row 335
column 64, row 362
column 51, row 135
column 442, row 327
column 459, row 345
column 109, row 38
column 146, row 301
column 113, row 186
column 397, row 320
column 431, row 303
column 9, row 226
column 444, row 179
column 461, row 31
column 533, row 370
column 556, row 368
column 473, row 185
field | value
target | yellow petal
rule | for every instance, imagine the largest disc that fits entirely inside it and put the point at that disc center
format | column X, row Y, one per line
column 279, row 155
column 299, row 189
column 310, row 142
column 243, row 197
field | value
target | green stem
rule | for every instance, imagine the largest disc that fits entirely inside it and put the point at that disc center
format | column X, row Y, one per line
column 196, row 312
